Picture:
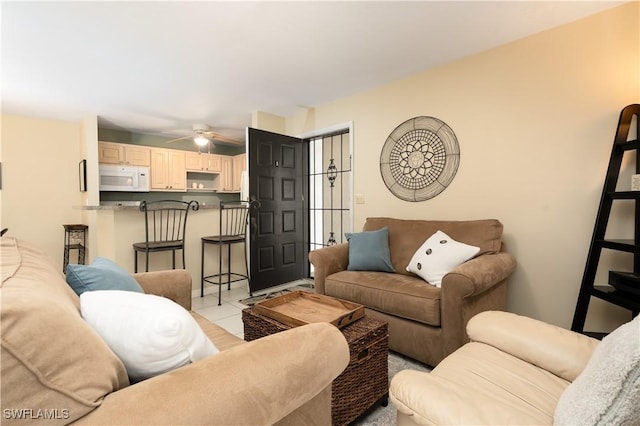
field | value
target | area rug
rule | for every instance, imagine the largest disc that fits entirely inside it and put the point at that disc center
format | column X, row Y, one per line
column 301, row 285
column 386, row 416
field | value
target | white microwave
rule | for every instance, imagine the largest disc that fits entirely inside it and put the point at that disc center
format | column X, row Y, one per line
column 124, row 178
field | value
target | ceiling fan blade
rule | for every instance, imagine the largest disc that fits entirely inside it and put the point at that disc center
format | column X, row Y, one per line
column 179, row 139
column 217, row 136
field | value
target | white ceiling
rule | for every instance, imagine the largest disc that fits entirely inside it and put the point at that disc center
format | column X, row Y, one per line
column 159, row 67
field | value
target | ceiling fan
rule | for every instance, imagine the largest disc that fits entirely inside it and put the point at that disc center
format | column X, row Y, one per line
column 202, row 135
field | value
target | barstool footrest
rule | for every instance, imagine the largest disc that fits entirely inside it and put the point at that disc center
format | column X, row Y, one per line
column 238, row 277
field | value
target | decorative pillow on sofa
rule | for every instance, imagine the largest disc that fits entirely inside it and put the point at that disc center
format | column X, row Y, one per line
column 438, row 256
column 102, row 274
column 369, row 251
column 150, row 334
column 607, row 392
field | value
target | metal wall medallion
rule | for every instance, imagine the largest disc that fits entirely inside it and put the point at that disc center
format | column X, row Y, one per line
column 419, row 159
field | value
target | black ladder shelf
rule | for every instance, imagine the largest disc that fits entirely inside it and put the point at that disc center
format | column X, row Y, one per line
column 624, row 288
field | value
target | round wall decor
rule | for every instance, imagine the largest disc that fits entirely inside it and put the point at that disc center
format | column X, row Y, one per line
column 419, row 159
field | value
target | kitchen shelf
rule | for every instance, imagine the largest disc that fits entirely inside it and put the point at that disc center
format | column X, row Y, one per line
column 201, row 190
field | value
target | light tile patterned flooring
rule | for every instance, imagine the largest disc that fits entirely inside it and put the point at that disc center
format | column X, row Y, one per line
column 229, row 314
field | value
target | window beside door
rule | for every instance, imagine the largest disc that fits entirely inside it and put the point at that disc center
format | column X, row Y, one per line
column 330, row 189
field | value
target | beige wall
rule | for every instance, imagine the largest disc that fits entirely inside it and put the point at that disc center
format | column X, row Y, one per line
column 40, row 180
column 535, row 121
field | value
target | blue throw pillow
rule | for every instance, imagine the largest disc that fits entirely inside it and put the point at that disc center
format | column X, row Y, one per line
column 369, row 251
column 102, row 274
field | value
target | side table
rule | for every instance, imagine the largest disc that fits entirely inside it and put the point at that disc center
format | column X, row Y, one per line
column 364, row 382
column 74, row 239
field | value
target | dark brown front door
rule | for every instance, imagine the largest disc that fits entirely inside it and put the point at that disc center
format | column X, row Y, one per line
column 276, row 180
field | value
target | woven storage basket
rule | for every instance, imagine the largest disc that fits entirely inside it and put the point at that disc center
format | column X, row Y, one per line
column 364, row 382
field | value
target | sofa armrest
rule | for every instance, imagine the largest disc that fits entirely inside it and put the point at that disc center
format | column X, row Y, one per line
column 473, row 287
column 327, row 261
column 558, row 350
column 256, row 383
column 483, row 271
column 174, row 284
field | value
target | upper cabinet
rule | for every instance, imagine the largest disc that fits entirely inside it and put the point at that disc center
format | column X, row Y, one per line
column 197, row 162
column 226, row 174
column 168, row 172
column 120, row 153
column 239, row 165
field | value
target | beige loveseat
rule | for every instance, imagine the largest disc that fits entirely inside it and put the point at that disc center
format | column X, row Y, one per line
column 521, row 371
column 57, row 370
column 425, row 322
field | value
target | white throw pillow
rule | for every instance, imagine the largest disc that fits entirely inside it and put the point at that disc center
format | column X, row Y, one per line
column 438, row 256
column 150, row 334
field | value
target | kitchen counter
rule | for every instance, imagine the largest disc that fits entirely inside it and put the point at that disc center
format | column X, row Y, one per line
column 130, row 205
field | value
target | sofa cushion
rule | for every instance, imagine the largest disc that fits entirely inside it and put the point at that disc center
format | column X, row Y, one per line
column 39, row 310
column 438, row 256
column 369, row 251
column 400, row 295
column 607, row 392
column 102, row 274
column 151, row 334
column 405, row 236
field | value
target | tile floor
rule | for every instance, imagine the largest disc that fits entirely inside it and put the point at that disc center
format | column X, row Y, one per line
column 229, row 314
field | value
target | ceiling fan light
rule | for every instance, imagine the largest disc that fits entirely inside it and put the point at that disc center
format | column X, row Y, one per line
column 200, row 140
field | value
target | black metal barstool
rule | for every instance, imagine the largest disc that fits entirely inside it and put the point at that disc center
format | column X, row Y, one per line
column 74, row 239
column 234, row 216
column 165, row 225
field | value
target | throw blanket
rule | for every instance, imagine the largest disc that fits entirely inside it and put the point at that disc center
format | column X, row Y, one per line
column 607, row 392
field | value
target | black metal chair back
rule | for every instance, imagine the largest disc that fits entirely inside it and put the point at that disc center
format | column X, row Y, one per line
column 234, row 219
column 165, row 227
column 234, row 216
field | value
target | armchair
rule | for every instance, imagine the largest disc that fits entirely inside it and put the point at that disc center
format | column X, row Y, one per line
column 426, row 323
column 518, row 370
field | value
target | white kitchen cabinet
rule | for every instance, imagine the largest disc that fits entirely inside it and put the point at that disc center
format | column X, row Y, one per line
column 168, row 170
column 121, row 153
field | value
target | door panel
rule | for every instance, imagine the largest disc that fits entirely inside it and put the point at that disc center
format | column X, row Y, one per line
column 276, row 180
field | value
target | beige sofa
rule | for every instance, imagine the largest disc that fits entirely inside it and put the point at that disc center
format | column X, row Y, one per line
column 425, row 322
column 520, row 371
column 57, row 370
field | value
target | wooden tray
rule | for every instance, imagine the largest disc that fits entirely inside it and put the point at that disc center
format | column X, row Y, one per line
column 302, row 307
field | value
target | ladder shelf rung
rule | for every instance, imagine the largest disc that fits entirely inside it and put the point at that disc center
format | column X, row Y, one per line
column 610, row 294
column 624, row 195
column 627, row 245
column 629, row 145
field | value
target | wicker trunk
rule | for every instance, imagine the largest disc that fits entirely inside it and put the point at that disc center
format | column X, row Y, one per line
column 364, row 382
